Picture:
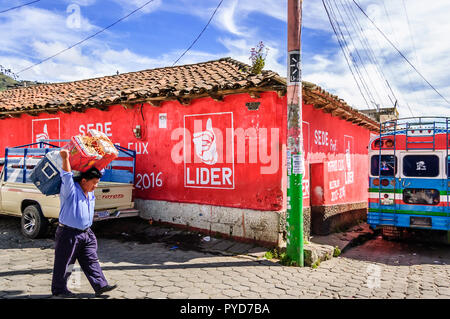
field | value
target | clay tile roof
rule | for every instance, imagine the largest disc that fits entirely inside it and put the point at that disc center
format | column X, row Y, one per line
column 218, row 77
column 213, row 77
column 329, row 103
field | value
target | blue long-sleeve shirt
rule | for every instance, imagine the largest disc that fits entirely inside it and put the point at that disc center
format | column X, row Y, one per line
column 77, row 210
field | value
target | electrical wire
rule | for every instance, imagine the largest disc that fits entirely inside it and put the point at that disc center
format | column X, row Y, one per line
column 353, row 59
column 410, row 82
column 401, row 54
column 356, row 50
column 386, row 11
column 344, row 52
column 388, row 16
column 397, row 41
column 88, row 38
column 201, row 33
column 17, row 7
column 374, row 40
column 360, row 32
column 347, row 52
column 410, row 32
column 366, row 46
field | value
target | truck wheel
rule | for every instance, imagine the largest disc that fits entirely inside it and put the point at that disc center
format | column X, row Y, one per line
column 34, row 224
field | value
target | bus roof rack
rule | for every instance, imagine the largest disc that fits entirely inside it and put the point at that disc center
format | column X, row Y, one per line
column 414, row 123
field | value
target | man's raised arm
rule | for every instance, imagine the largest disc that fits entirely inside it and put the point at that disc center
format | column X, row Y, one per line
column 65, row 160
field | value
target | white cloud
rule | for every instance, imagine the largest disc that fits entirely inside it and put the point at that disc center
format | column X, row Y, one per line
column 314, row 16
column 81, row 2
column 274, row 9
column 226, row 18
column 130, row 5
column 233, row 14
column 423, row 42
column 35, row 34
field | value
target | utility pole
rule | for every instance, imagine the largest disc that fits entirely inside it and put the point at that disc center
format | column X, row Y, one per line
column 295, row 157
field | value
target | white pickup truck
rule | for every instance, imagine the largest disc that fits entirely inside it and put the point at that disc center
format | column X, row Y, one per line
column 20, row 197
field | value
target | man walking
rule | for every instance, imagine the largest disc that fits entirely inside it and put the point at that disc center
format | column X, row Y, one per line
column 74, row 240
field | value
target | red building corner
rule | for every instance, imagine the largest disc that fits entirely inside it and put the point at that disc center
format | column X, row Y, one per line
column 210, row 141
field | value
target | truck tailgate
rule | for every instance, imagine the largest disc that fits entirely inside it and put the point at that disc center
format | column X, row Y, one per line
column 110, row 195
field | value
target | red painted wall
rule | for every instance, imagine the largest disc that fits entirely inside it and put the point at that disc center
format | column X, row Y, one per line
column 230, row 173
column 342, row 148
column 187, row 153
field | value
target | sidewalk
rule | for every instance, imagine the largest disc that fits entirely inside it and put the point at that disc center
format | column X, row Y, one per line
column 318, row 249
column 322, row 248
column 142, row 231
column 147, row 261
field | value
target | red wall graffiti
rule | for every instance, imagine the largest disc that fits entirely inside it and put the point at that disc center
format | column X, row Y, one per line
column 342, row 149
column 217, row 153
column 210, row 152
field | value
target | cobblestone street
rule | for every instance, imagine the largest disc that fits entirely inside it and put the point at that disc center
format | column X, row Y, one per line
column 376, row 269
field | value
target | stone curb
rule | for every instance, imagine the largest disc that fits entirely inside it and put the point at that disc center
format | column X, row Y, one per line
column 322, row 248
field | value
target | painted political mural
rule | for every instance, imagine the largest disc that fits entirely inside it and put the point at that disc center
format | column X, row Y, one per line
column 219, row 153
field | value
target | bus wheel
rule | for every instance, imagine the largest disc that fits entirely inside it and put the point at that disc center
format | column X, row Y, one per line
column 33, row 224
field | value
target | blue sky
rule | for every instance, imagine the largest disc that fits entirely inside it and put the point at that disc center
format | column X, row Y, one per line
column 157, row 35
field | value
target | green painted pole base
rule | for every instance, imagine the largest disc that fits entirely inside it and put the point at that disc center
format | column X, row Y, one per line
column 294, row 247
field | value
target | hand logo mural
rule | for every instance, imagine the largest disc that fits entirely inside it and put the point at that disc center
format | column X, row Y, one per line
column 43, row 135
column 45, row 129
column 205, row 144
column 348, row 158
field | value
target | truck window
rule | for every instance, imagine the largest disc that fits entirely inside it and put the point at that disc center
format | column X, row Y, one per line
column 420, row 196
column 388, row 165
column 421, row 165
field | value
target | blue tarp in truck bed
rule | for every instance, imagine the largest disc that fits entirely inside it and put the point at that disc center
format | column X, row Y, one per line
column 19, row 162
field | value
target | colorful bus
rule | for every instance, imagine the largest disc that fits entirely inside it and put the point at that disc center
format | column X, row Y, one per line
column 409, row 179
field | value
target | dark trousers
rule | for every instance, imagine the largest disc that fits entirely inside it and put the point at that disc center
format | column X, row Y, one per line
column 70, row 245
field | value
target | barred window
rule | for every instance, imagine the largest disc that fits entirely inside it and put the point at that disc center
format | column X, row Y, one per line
column 420, row 196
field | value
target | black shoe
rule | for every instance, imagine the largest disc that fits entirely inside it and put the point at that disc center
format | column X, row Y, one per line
column 105, row 289
column 65, row 295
